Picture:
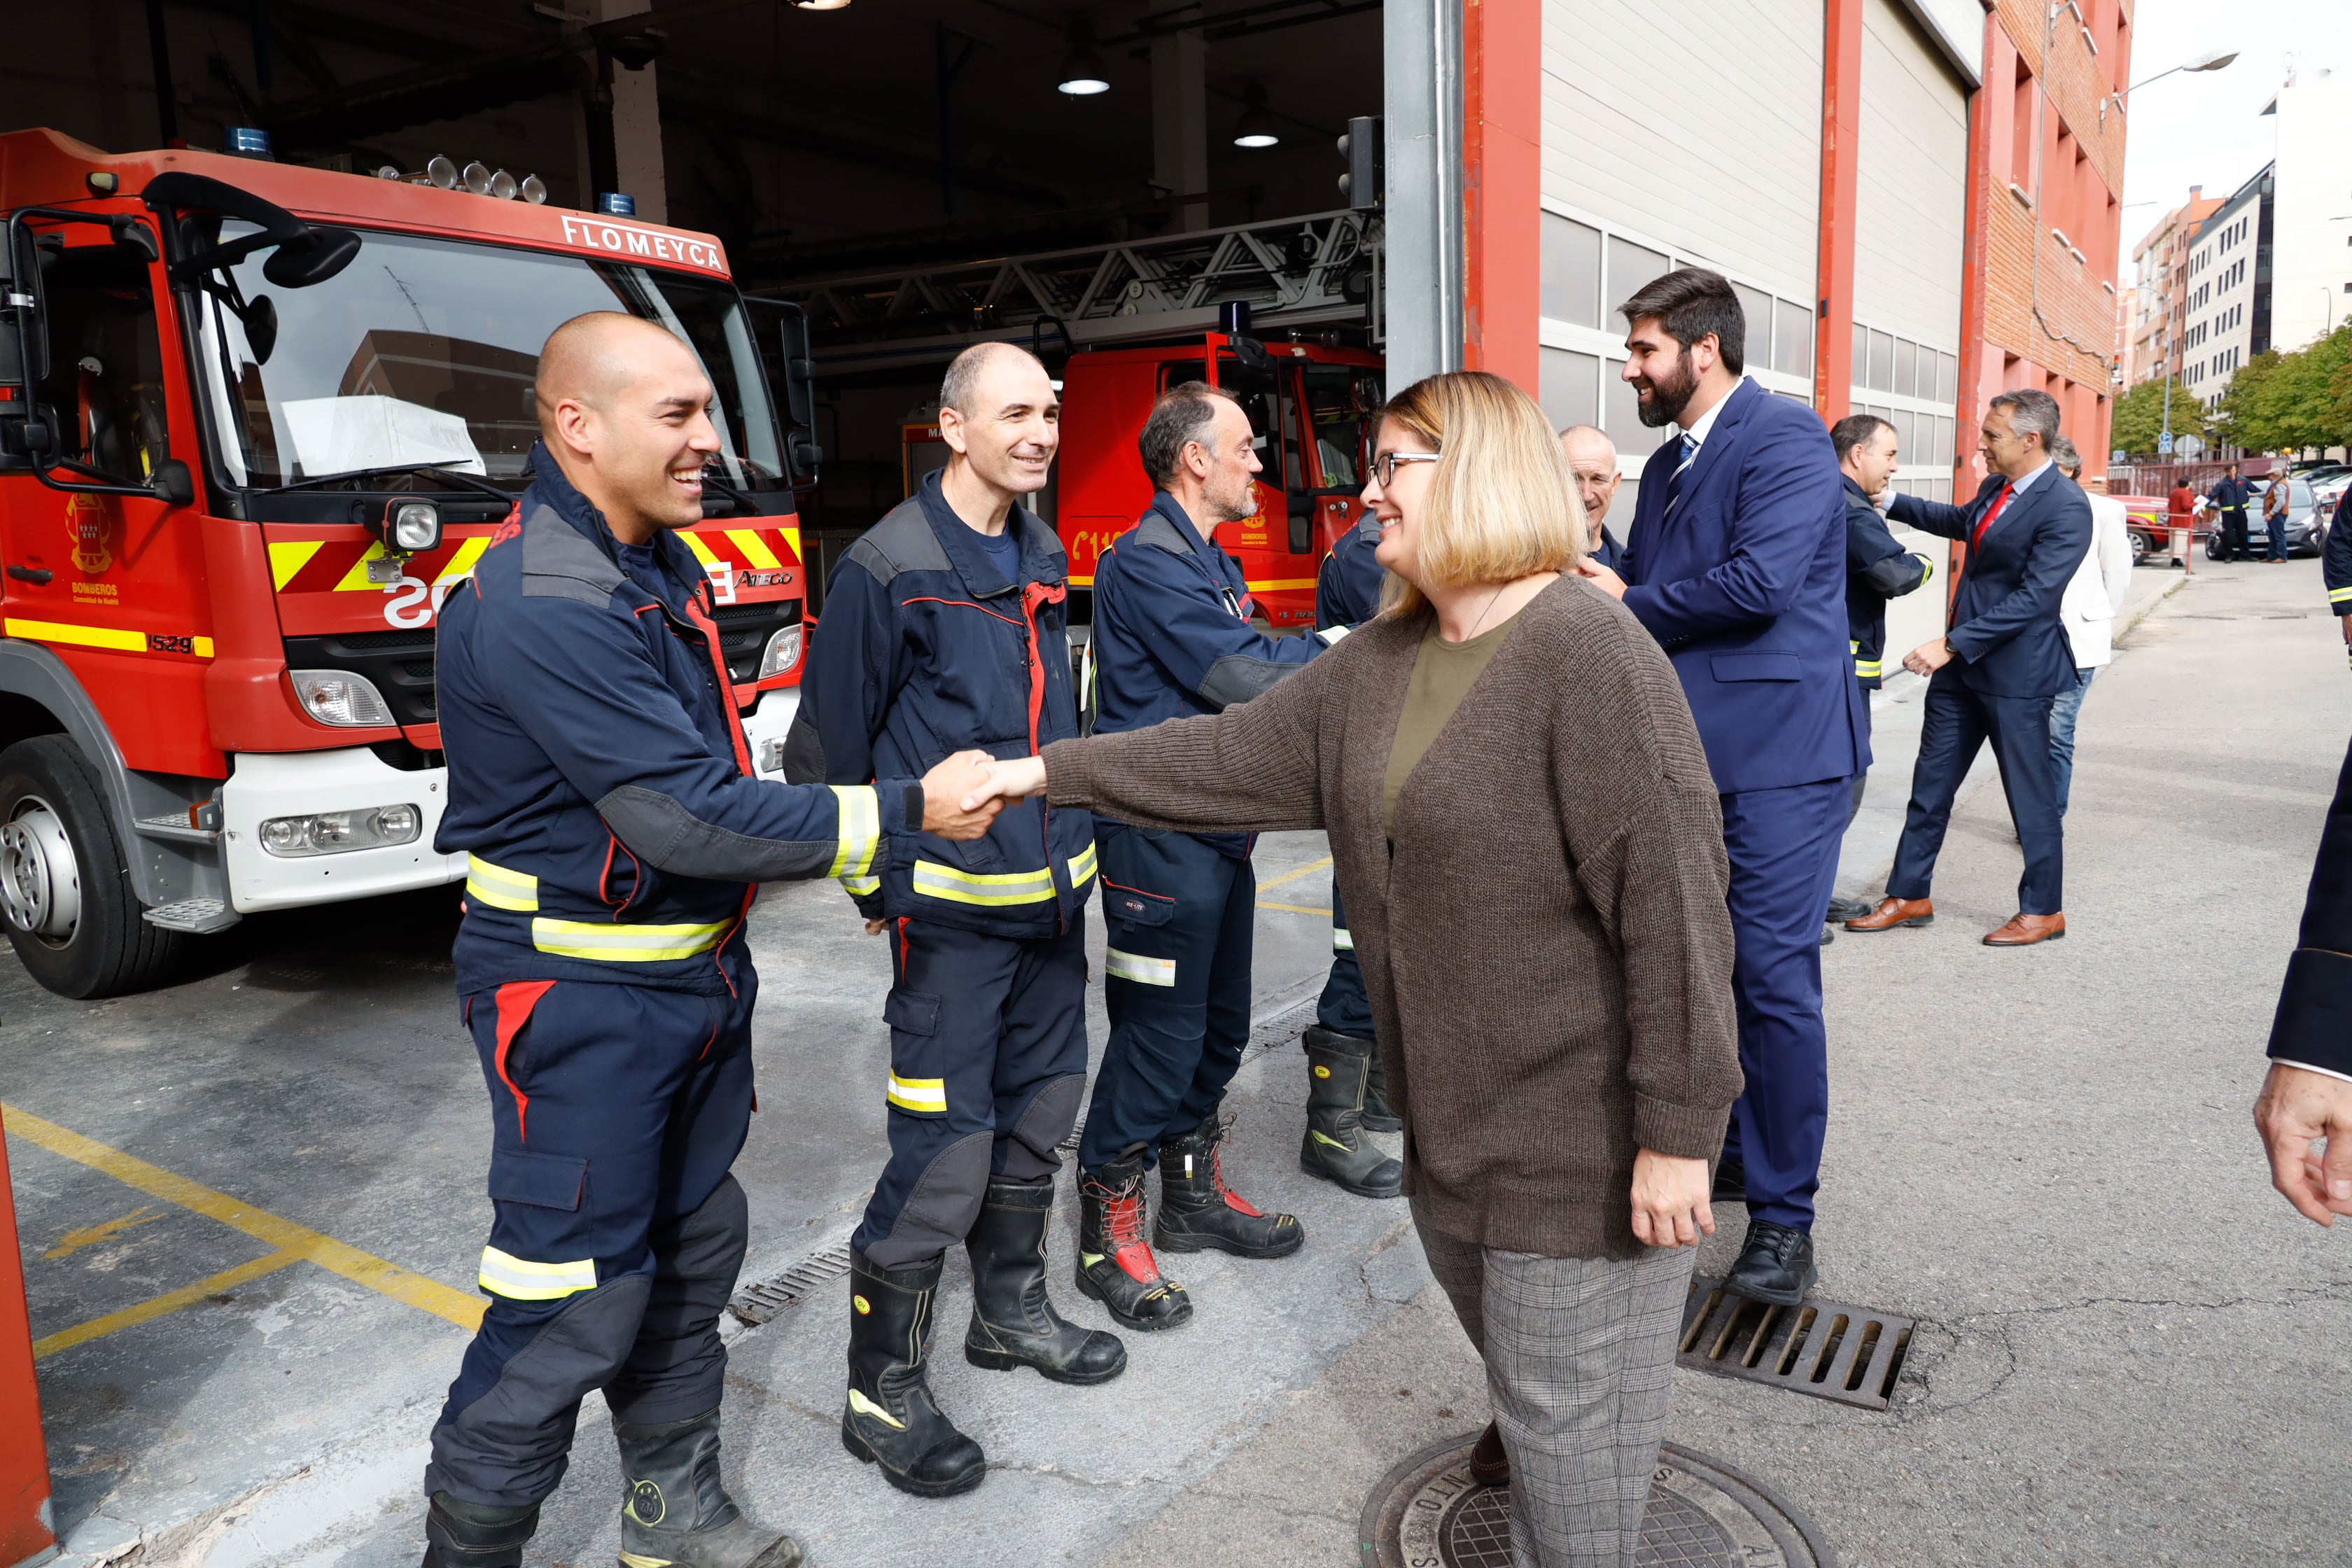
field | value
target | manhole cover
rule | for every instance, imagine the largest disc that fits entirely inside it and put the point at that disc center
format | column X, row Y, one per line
column 1429, row 1513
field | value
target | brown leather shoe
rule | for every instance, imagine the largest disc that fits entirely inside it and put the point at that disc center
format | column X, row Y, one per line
column 2024, row 931
column 1489, row 1466
column 1892, row 912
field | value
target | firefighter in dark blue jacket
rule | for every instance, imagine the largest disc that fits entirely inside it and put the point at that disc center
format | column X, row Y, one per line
column 944, row 628
column 600, row 786
column 1171, row 637
column 1876, row 569
column 2336, row 568
column 1347, row 1091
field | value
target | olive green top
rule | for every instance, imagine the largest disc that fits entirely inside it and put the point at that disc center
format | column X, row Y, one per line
column 1442, row 674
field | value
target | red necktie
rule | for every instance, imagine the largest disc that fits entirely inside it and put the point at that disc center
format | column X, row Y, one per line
column 1976, row 535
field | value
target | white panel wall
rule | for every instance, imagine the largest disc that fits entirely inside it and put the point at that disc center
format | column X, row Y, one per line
column 1697, row 124
column 1680, row 135
column 1912, row 196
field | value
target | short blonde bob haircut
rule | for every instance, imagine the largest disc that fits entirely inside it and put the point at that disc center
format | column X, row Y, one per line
column 1503, row 503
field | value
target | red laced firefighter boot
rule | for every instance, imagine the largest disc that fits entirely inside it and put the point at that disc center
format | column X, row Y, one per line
column 1197, row 1209
column 1115, row 1263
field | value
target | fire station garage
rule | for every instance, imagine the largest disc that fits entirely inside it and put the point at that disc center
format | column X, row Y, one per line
column 247, row 1160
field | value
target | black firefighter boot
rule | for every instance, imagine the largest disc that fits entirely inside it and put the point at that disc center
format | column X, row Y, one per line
column 1377, row 1114
column 1012, row 1322
column 1197, row 1209
column 1334, row 1147
column 1115, row 1263
column 889, row 1418
column 460, row 1534
column 676, row 1509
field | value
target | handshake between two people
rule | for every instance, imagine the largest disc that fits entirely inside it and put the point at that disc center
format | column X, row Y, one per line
column 963, row 793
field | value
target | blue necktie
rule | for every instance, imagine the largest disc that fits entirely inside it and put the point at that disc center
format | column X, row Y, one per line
column 1675, row 480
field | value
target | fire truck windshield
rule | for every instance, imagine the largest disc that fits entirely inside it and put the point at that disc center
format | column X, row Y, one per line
column 421, row 352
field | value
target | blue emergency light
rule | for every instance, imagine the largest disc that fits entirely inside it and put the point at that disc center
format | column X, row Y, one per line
column 616, row 203
column 247, row 142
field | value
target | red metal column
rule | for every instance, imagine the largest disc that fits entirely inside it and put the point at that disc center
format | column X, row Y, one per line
column 1841, row 178
column 1972, row 289
column 1502, row 179
column 25, row 1533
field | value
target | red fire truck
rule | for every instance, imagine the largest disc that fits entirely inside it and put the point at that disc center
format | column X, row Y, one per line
column 1309, row 405
column 255, row 421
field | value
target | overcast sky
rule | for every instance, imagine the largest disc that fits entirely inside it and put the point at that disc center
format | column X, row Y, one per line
column 2207, row 128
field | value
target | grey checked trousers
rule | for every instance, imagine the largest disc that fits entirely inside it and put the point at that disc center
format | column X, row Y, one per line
column 1579, row 1356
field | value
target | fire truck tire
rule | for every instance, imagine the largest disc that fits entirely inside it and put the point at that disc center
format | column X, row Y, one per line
column 64, row 889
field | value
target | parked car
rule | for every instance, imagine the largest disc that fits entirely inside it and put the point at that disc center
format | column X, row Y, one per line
column 2306, row 528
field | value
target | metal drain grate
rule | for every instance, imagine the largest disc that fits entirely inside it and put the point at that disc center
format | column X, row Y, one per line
column 761, row 1301
column 1826, row 1349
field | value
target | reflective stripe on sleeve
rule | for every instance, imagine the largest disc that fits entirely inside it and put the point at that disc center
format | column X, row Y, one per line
column 1141, row 969
column 989, row 890
column 861, row 886
column 623, row 944
column 499, row 887
column 860, row 829
column 1082, row 866
column 918, row 1093
column 1342, row 940
column 2337, row 596
column 503, row 1274
column 1868, row 669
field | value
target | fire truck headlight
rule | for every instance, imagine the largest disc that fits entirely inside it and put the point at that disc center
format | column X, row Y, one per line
column 784, row 651
column 340, row 832
column 416, row 526
column 340, row 697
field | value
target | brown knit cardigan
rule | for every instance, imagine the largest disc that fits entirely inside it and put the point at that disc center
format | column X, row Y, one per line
column 1546, row 947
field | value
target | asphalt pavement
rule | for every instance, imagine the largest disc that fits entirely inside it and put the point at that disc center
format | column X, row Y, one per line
column 2129, row 1348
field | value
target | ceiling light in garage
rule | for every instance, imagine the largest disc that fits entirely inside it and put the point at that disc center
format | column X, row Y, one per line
column 1082, row 74
column 821, row 5
column 1255, row 128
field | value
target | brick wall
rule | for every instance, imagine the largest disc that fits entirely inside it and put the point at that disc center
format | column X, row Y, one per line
column 2053, row 209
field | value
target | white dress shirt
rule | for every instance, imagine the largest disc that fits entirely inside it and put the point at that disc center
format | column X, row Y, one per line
column 2095, row 595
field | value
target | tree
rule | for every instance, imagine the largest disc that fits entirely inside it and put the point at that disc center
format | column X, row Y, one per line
column 2139, row 417
column 2286, row 402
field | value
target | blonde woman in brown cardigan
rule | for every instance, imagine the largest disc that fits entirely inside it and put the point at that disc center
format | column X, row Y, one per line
column 1525, row 833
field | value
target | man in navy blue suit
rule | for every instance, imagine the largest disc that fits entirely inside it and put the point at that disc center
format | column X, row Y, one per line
column 1992, row 675
column 1735, row 563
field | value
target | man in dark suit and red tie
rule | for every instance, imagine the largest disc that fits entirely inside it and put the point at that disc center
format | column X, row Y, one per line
column 1993, row 675
column 1735, row 564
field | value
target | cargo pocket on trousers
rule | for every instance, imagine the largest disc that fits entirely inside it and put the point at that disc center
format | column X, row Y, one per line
column 1134, row 907
column 916, row 1087
column 542, row 1181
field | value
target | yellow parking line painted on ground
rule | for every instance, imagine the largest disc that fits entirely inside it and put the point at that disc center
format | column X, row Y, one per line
column 402, row 1284
column 1293, row 909
column 147, row 1311
column 1309, row 869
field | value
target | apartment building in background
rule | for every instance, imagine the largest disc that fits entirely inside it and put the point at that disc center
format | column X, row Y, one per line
column 2311, row 253
column 2162, row 260
column 2226, row 291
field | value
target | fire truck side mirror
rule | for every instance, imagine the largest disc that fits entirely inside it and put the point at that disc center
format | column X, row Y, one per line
column 800, row 398
column 173, row 483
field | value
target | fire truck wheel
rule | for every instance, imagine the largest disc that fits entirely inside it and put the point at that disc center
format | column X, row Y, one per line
column 65, row 890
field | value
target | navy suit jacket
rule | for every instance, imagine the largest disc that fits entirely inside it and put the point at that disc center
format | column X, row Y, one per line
column 1744, row 586
column 2005, row 626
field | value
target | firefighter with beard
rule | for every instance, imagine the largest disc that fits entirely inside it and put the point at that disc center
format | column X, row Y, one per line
column 945, row 628
column 600, row 788
column 1172, row 636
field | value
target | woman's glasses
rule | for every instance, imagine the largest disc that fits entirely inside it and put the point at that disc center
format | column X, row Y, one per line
column 1384, row 464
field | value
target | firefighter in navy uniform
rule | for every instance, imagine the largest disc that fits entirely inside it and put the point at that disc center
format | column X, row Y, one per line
column 2336, row 568
column 1347, row 1091
column 1876, row 569
column 1171, row 637
column 944, row 627
column 600, row 785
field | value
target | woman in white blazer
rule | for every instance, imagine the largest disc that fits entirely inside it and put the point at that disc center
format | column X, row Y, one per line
column 2093, row 598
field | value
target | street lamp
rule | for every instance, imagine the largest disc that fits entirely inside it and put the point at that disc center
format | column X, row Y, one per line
column 2210, row 60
